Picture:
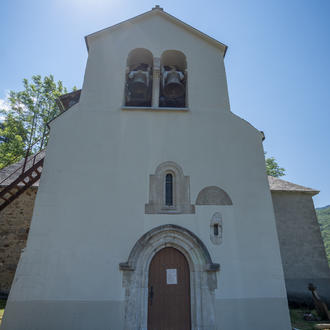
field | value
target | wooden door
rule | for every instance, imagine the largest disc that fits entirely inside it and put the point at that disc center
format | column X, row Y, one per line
column 169, row 291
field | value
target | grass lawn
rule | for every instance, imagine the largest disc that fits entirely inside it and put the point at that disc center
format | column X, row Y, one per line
column 297, row 319
column 2, row 308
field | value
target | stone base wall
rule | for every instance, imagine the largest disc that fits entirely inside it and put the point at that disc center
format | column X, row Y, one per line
column 14, row 228
column 247, row 314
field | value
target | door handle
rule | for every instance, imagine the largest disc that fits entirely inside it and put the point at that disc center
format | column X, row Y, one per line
column 151, row 294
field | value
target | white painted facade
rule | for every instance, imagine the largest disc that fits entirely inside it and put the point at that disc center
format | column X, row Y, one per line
column 90, row 208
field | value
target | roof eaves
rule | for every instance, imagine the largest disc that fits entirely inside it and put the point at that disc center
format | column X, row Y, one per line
column 198, row 32
column 309, row 192
column 113, row 27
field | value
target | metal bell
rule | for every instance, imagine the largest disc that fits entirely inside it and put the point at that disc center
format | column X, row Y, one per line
column 173, row 87
column 139, row 82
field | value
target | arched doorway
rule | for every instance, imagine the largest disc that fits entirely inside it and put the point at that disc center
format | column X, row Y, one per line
column 203, row 279
column 169, row 291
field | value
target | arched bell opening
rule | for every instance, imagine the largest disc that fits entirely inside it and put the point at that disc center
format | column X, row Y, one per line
column 173, row 79
column 138, row 86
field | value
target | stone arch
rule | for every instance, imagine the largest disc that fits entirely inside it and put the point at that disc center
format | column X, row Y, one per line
column 213, row 195
column 202, row 275
column 181, row 191
column 174, row 57
column 169, row 166
column 139, row 55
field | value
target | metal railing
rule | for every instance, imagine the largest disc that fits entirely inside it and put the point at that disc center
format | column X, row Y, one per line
column 27, row 155
column 27, row 159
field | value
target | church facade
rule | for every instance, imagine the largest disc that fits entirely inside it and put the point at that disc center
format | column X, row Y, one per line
column 153, row 209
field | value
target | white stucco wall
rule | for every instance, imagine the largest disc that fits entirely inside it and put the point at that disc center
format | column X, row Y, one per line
column 89, row 211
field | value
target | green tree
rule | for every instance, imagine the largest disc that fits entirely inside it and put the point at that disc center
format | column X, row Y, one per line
column 323, row 216
column 26, row 119
column 273, row 167
column 13, row 137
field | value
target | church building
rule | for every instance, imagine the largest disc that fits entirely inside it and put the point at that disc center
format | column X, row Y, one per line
column 154, row 209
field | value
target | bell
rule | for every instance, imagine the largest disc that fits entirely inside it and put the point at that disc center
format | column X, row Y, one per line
column 173, row 87
column 139, row 82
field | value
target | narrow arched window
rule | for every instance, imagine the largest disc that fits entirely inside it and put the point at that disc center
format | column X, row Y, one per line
column 216, row 228
column 169, row 189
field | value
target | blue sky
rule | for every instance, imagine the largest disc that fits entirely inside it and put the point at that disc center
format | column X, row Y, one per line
column 278, row 63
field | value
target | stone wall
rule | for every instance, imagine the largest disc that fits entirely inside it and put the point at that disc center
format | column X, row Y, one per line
column 302, row 250
column 14, row 227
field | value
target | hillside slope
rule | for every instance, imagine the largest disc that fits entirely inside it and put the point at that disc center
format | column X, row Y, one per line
column 323, row 216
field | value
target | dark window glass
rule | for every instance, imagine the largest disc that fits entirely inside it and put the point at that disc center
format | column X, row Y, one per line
column 216, row 229
column 169, row 189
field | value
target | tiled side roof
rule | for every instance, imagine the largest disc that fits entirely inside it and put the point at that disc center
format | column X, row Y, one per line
column 277, row 184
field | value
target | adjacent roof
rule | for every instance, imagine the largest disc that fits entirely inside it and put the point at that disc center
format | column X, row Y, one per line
column 66, row 101
column 277, row 184
column 159, row 11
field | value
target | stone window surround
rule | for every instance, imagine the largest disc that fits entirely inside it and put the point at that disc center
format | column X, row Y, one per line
column 203, row 279
column 181, row 191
